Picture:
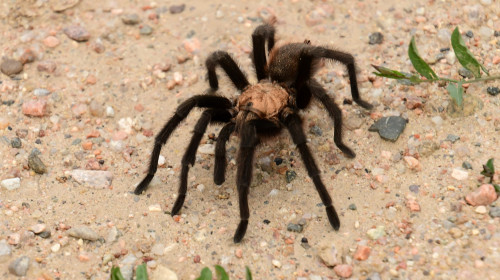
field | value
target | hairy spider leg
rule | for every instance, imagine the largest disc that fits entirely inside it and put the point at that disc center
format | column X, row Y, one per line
column 260, row 35
column 334, row 111
column 232, row 70
column 249, row 141
column 342, row 57
column 294, row 125
column 203, row 101
column 208, row 116
column 220, row 153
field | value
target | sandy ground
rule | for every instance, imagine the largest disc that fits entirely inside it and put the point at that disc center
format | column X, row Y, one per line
column 120, row 67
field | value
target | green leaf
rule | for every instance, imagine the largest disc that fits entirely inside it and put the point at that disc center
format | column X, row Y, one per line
column 248, row 273
column 497, row 188
column 116, row 274
column 206, row 274
column 464, row 56
column 456, row 91
column 388, row 73
column 221, row 273
column 141, row 272
column 420, row 65
column 488, row 168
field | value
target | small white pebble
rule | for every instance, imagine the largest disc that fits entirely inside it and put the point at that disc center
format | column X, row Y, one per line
column 55, row 248
column 110, row 112
column 273, row 192
column 161, row 160
column 154, row 208
column 200, row 187
column 276, row 263
column 481, row 209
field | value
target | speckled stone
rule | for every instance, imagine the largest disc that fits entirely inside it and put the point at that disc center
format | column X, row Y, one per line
column 389, row 128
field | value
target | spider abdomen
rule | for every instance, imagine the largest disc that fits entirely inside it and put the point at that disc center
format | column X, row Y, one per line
column 266, row 100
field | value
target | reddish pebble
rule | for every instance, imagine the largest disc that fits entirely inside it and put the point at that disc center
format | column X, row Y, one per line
column 77, row 33
column 484, row 195
column 91, row 80
column 238, row 253
column 192, row 45
column 139, row 107
column 343, row 270
column 47, row 66
column 35, row 108
column 177, row 218
column 27, row 57
column 79, row 109
column 147, row 132
column 120, row 135
column 413, row 205
column 93, row 134
column 496, row 60
column 83, row 258
column 87, row 145
column 362, row 253
column 197, row 259
column 51, row 42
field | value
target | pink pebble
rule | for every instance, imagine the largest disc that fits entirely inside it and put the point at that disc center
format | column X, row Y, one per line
column 484, row 195
column 343, row 270
column 35, row 108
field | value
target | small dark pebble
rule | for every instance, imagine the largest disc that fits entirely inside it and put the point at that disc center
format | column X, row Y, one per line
column 38, row 141
column 469, row 34
column 8, row 102
column 352, row 207
column 266, row 221
column 45, row 234
column 304, row 240
column 414, row 188
column 316, row 130
column 76, row 141
column 290, row 175
column 376, row 38
column 452, row 138
column 389, row 128
column 497, row 33
column 16, row 142
column 294, row 227
column 493, row 91
column 467, row 165
column 278, row 161
column 444, row 49
column 36, row 164
column 464, row 72
column 176, row 9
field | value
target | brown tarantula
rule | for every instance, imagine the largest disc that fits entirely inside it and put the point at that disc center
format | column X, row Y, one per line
column 286, row 85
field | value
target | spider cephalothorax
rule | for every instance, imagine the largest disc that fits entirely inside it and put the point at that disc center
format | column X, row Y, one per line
column 286, row 85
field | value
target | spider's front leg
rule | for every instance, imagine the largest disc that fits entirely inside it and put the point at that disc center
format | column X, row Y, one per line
column 249, row 141
column 294, row 125
column 220, row 153
column 232, row 70
column 203, row 101
column 262, row 34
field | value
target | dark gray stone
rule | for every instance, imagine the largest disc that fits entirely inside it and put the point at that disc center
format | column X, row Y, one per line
column 316, row 130
column 376, row 38
column 493, row 91
column 352, row 206
column 389, row 128
column 452, row 138
column 495, row 212
column 36, row 164
column 176, row 9
column 290, row 175
column 414, row 188
column 464, row 72
column 16, row 143
column 467, row 165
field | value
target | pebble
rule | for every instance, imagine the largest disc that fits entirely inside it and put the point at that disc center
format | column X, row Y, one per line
column 374, row 276
column 11, row 67
column 77, row 33
column 459, row 174
column 456, row 232
column 276, row 263
column 316, row 130
column 290, row 176
column 412, row 204
column 38, row 228
column 481, row 209
column 495, row 212
column 92, row 178
column 11, row 184
column 154, row 208
column 177, row 9
column 19, row 266
column 47, row 66
column 437, row 120
column 192, row 45
column 452, row 138
column 484, row 195
column 464, row 72
column 493, row 91
column 110, row 112
column 113, row 235
column 343, row 270
column 83, row 232
column 362, row 253
column 413, row 163
column 40, row 92
column 352, row 206
column 51, row 42
column 389, row 128
column 375, row 38
column 16, row 143
column 444, row 36
column 376, row 233
column 265, row 164
column 130, row 19
column 35, row 108
column 5, row 250
column 127, row 266
column 146, row 30
column 36, row 164
column 294, row 227
column 414, row 188
column 466, row 165
column 55, row 248
column 163, row 273
column 328, row 253
column 208, row 149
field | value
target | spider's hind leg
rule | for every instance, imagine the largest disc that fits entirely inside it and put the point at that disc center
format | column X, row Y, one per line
column 294, row 124
column 220, row 153
column 260, row 35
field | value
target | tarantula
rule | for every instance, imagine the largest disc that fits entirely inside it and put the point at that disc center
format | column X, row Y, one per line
column 285, row 86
